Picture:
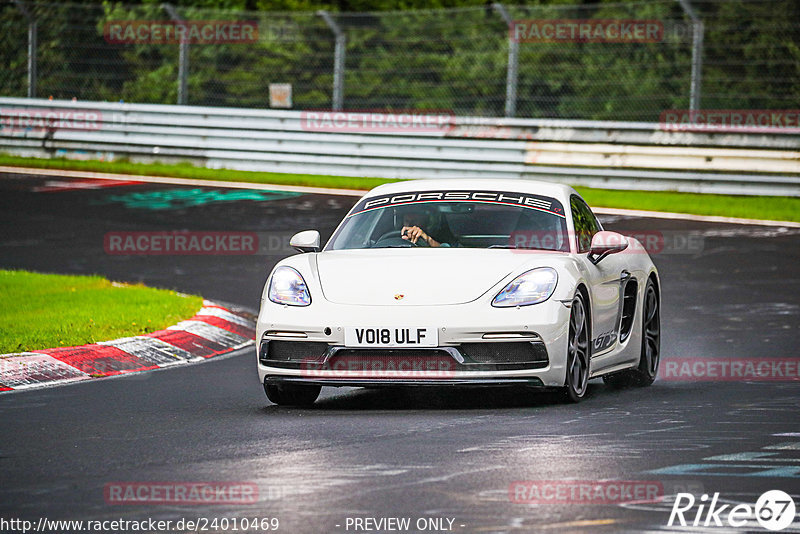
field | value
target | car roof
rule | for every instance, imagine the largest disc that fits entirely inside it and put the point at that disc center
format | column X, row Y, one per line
column 560, row 192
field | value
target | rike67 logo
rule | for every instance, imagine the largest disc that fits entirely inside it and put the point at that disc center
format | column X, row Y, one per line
column 774, row 510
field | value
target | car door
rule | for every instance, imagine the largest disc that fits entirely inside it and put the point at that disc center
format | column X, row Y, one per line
column 604, row 279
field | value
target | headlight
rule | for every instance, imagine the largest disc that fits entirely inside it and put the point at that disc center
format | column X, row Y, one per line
column 288, row 287
column 532, row 287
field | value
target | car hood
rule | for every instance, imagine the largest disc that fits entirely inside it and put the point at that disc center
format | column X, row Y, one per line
column 414, row 277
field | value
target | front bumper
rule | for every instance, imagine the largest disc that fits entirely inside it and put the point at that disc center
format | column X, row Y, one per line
column 320, row 329
column 404, row 382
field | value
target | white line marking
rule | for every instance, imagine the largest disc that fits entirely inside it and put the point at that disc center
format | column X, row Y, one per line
column 786, row 446
column 185, row 181
column 690, row 217
column 360, row 192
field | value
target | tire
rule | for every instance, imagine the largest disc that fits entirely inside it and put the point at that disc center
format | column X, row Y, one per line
column 578, row 353
column 645, row 373
column 292, row 394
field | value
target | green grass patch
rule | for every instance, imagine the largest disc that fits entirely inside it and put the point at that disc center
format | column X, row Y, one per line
column 750, row 207
column 188, row 170
column 42, row 311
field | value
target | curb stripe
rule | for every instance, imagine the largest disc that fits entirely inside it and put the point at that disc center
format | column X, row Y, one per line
column 151, row 350
column 213, row 331
column 204, row 348
column 31, row 369
column 244, row 331
column 222, row 313
column 99, row 360
column 57, row 186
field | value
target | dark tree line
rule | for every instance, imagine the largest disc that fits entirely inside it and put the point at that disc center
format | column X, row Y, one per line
column 408, row 54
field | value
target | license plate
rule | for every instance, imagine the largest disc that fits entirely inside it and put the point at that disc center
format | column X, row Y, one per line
column 411, row 336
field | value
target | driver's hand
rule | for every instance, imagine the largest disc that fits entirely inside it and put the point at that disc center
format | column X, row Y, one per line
column 413, row 234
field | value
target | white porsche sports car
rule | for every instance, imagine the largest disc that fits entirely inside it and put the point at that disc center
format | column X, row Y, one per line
column 460, row 283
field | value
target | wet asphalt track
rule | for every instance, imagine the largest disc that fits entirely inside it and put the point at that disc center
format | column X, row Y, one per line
column 364, row 453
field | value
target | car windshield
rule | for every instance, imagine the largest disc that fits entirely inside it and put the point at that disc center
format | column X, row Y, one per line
column 471, row 219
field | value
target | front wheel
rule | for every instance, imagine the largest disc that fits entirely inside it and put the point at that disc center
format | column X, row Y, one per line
column 577, row 352
column 645, row 373
column 292, row 394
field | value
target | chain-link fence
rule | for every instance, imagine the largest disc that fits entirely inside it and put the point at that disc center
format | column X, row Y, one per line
column 487, row 61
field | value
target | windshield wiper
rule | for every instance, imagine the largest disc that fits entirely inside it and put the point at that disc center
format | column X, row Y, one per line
column 504, row 246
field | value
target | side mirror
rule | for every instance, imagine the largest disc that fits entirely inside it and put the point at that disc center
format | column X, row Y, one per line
column 605, row 243
column 305, row 241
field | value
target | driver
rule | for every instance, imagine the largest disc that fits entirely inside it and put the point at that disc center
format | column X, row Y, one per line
column 414, row 219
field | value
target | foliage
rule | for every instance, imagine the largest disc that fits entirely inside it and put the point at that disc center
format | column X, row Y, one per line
column 403, row 58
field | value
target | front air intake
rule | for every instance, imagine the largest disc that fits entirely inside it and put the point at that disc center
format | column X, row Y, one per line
column 291, row 351
column 503, row 353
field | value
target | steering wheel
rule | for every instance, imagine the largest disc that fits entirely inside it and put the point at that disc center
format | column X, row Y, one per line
column 392, row 238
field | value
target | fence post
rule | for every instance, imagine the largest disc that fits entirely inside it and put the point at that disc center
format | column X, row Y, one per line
column 338, row 59
column 32, row 47
column 698, row 30
column 513, row 59
column 183, row 57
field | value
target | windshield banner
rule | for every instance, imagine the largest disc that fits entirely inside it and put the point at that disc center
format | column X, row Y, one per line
column 523, row 200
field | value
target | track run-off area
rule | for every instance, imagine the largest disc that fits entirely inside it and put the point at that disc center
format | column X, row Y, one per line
column 446, row 460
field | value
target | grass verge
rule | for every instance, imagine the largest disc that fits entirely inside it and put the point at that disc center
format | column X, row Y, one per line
column 187, row 170
column 42, row 311
column 749, row 207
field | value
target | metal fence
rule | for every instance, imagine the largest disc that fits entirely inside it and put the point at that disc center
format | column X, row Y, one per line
column 713, row 54
column 592, row 153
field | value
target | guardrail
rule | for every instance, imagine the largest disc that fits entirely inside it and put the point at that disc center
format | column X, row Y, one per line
column 621, row 155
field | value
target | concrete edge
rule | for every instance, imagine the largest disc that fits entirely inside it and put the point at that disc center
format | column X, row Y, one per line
column 359, row 192
column 215, row 330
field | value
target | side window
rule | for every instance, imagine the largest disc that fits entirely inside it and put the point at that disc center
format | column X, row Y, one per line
column 586, row 224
